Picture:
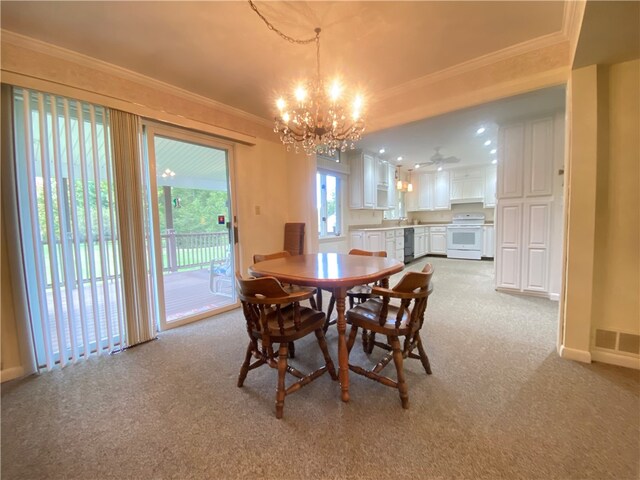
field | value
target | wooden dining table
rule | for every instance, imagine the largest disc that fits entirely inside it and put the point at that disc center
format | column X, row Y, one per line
column 337, row 273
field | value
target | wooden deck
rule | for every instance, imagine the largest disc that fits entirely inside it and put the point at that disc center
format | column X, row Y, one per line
column 186, row 293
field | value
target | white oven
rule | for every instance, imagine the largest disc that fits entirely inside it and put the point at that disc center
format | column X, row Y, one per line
column 464, row 236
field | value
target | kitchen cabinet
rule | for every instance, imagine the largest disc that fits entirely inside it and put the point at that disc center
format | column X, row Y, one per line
column 421, row 241
column 525, row 192
column 490, row 179
column 393, row 192
column 375, row 240
column 467, row 185
column 441, row 198
column 488, row 242
column 426, row 183
column 399, row 237
column 368, row 181
column 362, row 187
column 438, row 240
column 356, row 239
column 390, row 243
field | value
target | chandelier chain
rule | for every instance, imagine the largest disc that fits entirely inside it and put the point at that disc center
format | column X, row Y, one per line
column 286, row 37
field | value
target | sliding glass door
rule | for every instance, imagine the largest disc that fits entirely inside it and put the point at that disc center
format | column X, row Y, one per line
column 192, row 213
column 67, row 221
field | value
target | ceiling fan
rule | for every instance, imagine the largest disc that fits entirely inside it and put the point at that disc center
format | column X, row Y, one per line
column 439, row 159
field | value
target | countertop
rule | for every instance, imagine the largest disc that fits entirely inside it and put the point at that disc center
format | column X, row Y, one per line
column 372, row 228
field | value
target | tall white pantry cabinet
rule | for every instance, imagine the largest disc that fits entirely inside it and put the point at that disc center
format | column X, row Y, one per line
column 529, row 192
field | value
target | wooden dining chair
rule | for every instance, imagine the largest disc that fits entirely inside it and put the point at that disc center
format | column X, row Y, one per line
column 357, row 294
column 259, row 257
column 294, row 238
column 275, row 316
column 377, row 315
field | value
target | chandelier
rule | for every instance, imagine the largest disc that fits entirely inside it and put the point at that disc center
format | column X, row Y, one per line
column 317, row 116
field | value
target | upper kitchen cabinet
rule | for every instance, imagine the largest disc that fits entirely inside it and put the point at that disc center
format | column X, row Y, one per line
column 368, row 181
column 467, row 185
column 430, row 192
column 490, row 179
column 442, row 198
column 526, row 158
column 393, row 192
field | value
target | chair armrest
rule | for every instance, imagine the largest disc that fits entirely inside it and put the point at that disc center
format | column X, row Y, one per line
column 387, row 292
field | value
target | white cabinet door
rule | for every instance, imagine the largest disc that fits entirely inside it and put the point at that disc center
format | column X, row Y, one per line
column 356, row 240
column 539, row 158
column 511, row 161
column 442, row 200
column 488, row 241
column 509, row 246
column 369, row 182
column 491, row 176
column 426, row 182
column 537, row 220
column 438, row 240
column 411, row 198
column 375, row 241
column 390, row 247
column 393, row 191
column 382, row 173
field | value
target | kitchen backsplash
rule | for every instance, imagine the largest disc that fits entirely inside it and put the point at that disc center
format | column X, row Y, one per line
column 445, row 216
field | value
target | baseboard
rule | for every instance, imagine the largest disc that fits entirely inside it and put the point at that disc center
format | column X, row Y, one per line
column 11, row 374
column 554, row 296
column 574, row 354
column 616, row 359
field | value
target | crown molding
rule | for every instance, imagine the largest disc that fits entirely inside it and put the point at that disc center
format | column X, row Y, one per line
column 478, row 63
column 39, row 46
column 572, row 23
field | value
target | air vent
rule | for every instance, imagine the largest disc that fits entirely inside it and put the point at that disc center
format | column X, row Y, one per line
column 629, row 343
column 618, row 341
column 606, row 339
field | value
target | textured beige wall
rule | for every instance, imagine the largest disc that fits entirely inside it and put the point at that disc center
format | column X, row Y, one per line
column 617, row 250
column 581, row 202
column 603, row 239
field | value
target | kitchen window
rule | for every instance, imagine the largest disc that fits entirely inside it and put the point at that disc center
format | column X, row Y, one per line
column 328, row 195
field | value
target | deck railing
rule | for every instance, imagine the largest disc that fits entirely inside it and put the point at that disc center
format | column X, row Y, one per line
column 192, row 250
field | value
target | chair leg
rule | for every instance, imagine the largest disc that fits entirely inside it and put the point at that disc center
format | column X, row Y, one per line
column 397, row 359
column 352, row 337
column 423, row 355
column 245, row 366
column 327, row 322
column 371, row 341
column 312, row 302
column 325, row 352
column 365, row 340
column 350, row 302
column 282, row 370
column 292, row 350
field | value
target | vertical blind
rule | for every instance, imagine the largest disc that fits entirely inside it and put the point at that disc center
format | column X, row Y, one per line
column 68, row 225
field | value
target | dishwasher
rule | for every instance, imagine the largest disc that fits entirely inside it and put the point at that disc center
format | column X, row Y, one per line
column 408, row 245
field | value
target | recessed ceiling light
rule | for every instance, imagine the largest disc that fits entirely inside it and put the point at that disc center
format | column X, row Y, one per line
column 381, row 151
column 439, row 169
column 494, row 161
column 487, row 143
column 399, row 159
column 480, row 130
column 417, row 165
column 493, row 151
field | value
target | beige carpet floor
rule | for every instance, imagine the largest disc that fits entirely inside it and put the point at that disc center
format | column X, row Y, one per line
column 500, row 404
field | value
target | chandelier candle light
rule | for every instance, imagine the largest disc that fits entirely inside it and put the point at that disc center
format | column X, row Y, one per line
column 317, row 116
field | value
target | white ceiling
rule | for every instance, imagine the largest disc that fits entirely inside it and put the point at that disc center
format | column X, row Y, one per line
column 223, row 51
column 456, row 133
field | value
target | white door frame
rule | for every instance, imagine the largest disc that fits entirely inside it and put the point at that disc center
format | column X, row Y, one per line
column 152, row 129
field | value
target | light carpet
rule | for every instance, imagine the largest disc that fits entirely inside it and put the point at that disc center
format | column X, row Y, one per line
column 500, row 404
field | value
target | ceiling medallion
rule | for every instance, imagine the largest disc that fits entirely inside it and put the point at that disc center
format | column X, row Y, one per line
column 316, row 116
